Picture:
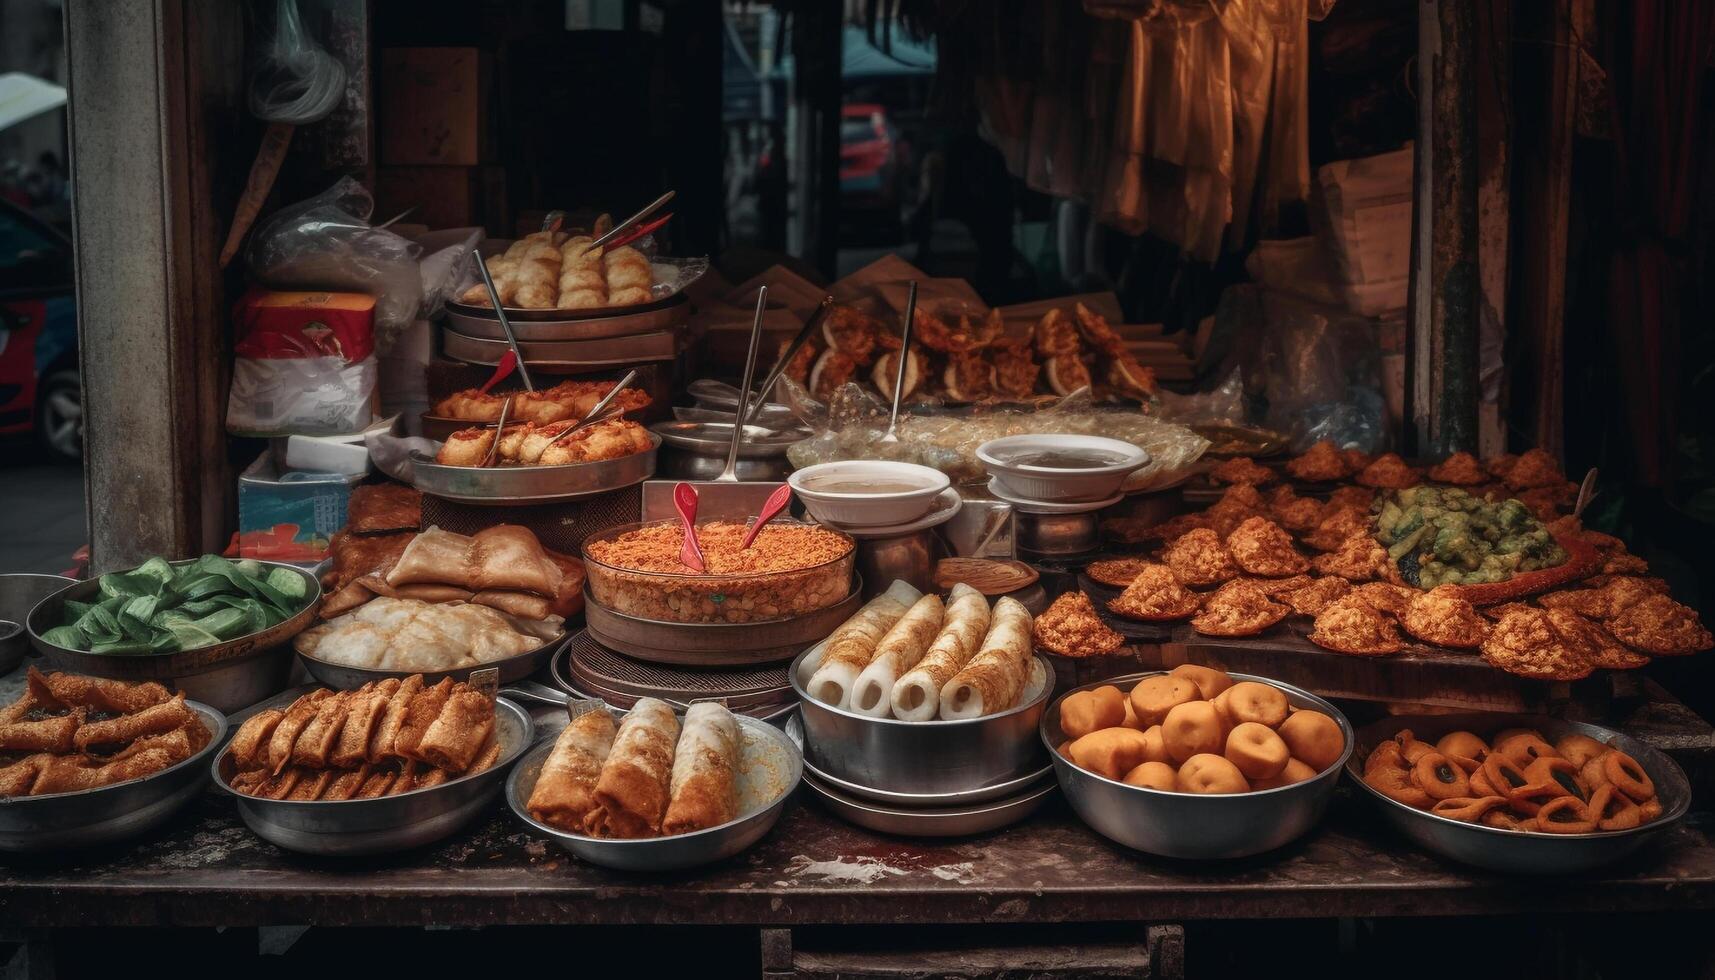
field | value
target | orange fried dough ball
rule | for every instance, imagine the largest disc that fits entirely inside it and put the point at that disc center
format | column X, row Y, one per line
column 1209, row 773
column 1257, row 751
column 1314, row 738
column 1191, row 729
column 1090, row 711
column 1153, row 697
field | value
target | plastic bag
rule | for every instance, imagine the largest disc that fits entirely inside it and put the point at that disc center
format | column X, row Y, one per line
column 304, row 364
column 326, row 242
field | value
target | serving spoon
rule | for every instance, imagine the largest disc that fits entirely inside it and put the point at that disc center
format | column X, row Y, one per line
column 685, row 502
column 771, row 509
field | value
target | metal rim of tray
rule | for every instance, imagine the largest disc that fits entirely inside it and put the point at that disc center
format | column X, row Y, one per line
column 453, row 482
column 516, row 667
column 164, row 666
column 962, row 821
column 716, row 644
column 916, row 801
column 550, row 325
column 520, row 315
column 585, row 664
column 656, row 345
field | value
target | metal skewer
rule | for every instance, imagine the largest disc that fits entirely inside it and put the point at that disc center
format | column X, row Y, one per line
column 499, row 431
column 892, row 434
column 729, row 473
column 648, row 210
column 819, row 314
column 598, row 412
column 505, row 324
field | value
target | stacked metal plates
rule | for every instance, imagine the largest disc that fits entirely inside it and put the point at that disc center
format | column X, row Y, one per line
column 587, row 668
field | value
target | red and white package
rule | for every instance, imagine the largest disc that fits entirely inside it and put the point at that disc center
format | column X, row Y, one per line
column 304, row 364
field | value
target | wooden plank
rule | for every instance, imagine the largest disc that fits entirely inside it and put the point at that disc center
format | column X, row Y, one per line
column 146, row 81
column 1494, row 214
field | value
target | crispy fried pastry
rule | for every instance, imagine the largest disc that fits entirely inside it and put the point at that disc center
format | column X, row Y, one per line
column 1441, row 617
column 1156, row 595
column 1260, row 547
column 1535, row 468
column 1460, row 469
column 1321, row 463
column 1238, row 609
column 1385, row 597
column 1525, row 642
column 1352, row 495
column 1315, row 597
column 1613, row 597
column 1071, row 628
column 1597, row 645
column 1297, row 514
column 1358, row 559
column 1657, row 625
column 1272, row 587
column 1351, row 625
column 1199, row 558
column 1338, row 524
column 1242, row 469
column 1389, row 472
column 69, row 733
column 1117, row 572
column 1134, row 530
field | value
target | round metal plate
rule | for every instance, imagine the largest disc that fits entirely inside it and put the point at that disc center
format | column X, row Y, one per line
column 955, row 821
column 516, row 486
column 716, row 644
column 589, row 666
column 656, row 345
column 531, row 326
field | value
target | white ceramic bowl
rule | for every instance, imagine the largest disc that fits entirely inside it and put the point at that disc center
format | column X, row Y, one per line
column 1056, row 484
column 869, row 509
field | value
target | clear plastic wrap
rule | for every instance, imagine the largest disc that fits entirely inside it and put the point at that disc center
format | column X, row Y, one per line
column 851, row 426
column 326, row 242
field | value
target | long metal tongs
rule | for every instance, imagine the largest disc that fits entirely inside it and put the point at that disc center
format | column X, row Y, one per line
column 810, row 326
column 598, row 412
column 505, row 324
column 620, row 228
column 892, row 434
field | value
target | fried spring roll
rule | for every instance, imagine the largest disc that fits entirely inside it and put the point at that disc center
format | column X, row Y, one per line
column 453, row 740
column 311, row 784
column 346, row 784
column 316, row 742
column 17, row 778
column 180, row 744
column 378, row 783
column 704, row 790
column 362, row 720
column 635, row 783
column 154, row 720
column 66, row 774
column 136, row 766
column 382, row 743
column 249, row 746
column 421, row 713
column 56, row 735
column 76, row 690
column 565, row 790
column 298, row 714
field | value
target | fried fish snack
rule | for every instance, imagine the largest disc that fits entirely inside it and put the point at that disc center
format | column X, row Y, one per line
column 1321, row 463
column 1242, row 469
column 1155, row 595
column 1441, row 617
column 1524, row 642
column 1460, row 469
column 1200, row 558
column 1385, row 597
column 1238, row 609
column 1338, row 524
column 1358, row 559
column 1389, row 472
column 1117, row 572
column 1351, row 625
column 1260, row 547
column 1071, row 628
column 1657, row 625
column 1315, row 597
column 1535, row 468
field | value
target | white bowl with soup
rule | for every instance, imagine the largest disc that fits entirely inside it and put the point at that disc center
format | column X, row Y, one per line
column 1061, row 467
column 868, row 493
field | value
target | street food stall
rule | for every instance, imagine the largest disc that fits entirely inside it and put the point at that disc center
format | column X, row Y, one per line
column 536, row 567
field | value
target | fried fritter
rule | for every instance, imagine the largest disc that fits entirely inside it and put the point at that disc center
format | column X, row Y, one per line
column 1386, row 597
column 1137, row 530
column 1500, row 611
column 1460, row 469
column 1071, row 628
column 1623, row 562
column 1240, row 495
column 1238, row 609
column 1350, row 625
column 1358, row 559
column 1321, row 463
column 1242, row 470
column 1117, row 572
column 1155, row 595
column 1338, row 524
column 1594, row 643
column 1499, row 466
column 1297, row 514
column 1199, row 558
column 1272, row 587
column 1389, row 472
column 1352, row 496
column 1356, row 459
column 1442, row 617
column 1606, row 602
column 1260, row 547
column 1536, row 468
column 1315, row 597
column 1658, row 625
column 1526, row 643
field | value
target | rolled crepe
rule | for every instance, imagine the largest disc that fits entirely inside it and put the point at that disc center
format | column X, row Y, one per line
column 154, row 720
column 298, row 715
column 993, row 679
column 905, row 644
column 419, row 715
column 76, row 690
column 565, row 790
column 704, row 791
column 636, row 781
column 849, row 649
column 56, row 735
column 460, row 732
column 382, row 743
column 362, row 718
column 917, row 695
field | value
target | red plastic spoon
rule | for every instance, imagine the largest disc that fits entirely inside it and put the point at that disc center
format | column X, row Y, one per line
column 771, row 509
column 502, row 368
column 685, row 501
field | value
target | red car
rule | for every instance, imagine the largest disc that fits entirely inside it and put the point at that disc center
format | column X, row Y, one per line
column 39, row 387
column 871, row 160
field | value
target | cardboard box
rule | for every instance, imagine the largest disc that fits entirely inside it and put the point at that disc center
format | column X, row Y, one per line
column 433, row 107
column 289, row 516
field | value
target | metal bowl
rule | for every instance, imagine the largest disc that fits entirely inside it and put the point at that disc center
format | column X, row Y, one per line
column 716, row 644
column 386, row 824
column 228, row 676
column 341, row 677
column 517, row 486
column 950, row 821
column 19, row 594
column 1514, row 851
column 794, row 727
column 1193, row 825
column 91, row 817
column 770, row 770
column 920, row 757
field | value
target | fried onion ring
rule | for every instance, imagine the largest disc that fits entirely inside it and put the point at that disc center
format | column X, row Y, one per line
column 1396, row 784
column 1614, row 810
column 1467, row 809
column 1565, row 815
column 1625, row 775
column 1440, row 777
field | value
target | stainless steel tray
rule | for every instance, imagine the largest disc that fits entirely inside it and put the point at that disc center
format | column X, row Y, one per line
column 227, row 675
column 955, row 821
column 916, row 801
column 1514, row 851
column 770, row 769
column 91, row 817
column 519, row 486
column 343, row 678
column 1191, row 825
column 658, row 345
column 547, row 325
column 716, row 644
column 679, row 272
column 345, row 828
